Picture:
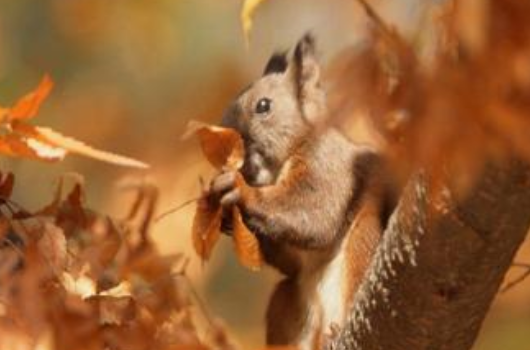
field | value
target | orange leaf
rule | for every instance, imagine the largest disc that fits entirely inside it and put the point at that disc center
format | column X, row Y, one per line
column 206, row 227
column 52, row 245
column 19, row 146
column 28, row 105
column 6, row 185
column 246, row 244
column 72, row 145
column 4, row 113
column 221, row 146
column 46, row 144
column 247, row 12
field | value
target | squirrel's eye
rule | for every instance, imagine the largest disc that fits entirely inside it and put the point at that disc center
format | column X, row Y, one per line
column 263, row 106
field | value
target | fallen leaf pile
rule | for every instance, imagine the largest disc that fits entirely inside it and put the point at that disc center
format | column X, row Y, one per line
column 71, row 278
column 20, row 139
column 223, row 148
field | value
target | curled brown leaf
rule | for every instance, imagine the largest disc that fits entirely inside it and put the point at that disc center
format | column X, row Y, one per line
column 224, row 149
column 246, row 243
column 206, row 227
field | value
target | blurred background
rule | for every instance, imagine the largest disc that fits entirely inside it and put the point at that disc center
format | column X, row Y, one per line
column 131, row 73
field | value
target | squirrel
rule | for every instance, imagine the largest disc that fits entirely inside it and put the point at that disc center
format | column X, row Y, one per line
column 317, row 202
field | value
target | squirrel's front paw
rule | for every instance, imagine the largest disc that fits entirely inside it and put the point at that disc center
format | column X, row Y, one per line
column 224, row 187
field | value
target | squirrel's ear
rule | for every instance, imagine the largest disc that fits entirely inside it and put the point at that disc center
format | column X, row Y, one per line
column 306, row 75
column 306, row 67
column 277, row 64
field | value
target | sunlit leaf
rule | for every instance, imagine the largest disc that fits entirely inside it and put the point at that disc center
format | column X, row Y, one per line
column 28, row 106
column 14, row 145
column 46, row 144
column 82, row 285
column 221, row 146
column 24, row 140
column 247, row 12
column 124, row 289
column 206, row 228
column 74, row 146
column 44, row 150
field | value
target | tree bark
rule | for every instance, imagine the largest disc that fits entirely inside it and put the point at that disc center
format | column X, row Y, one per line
column 440, row 264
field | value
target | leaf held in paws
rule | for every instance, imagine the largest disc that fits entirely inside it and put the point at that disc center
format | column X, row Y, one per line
column 206, row 228
column 223, row 148
column 246, row 244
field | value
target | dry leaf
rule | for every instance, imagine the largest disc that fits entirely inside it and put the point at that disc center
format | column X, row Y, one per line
column 47, row 144
column 52, row 245
column 246, row 243
column 124, row 289
column 4, row 227
column 106, row 243
column 249, row 7
column 178, row 332
column 221, row 146
column 12, row 337
column 115, row 310
column 28, row 106
column 82, row 286
column 65, row 259
column 25, row 140
column 206, row 228
column 72, row 145
column 45, row 341
column 18, row 146
column 6, row 185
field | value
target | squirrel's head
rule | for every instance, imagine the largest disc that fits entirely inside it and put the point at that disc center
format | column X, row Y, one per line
column 278, row 110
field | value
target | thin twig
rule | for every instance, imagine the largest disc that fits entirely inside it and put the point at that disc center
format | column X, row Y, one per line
column 152, row 201
column 519, row 279
column 177, row 208
column 522, row 265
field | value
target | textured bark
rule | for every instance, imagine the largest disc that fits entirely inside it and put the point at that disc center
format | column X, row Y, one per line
column 440, row 265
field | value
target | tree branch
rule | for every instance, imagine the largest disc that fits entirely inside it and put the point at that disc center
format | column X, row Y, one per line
column 440, row 264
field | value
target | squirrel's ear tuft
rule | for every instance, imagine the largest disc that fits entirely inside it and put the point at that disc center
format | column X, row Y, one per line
column 277, row 64
column 305, row 47
column 306, row 75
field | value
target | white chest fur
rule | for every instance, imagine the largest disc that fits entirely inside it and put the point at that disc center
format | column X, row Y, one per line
column 330, row 292
column 325, row 297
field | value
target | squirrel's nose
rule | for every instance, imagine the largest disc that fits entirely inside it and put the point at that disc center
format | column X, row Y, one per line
column 231, row 118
